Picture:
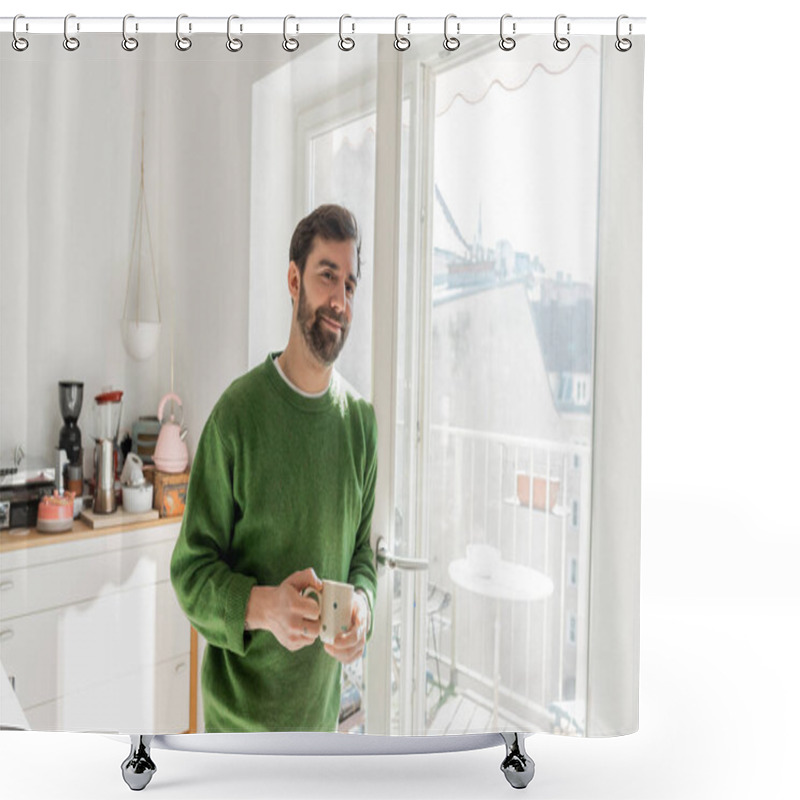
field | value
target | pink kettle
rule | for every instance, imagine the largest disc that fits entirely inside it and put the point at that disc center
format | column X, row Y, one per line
column 171, row 453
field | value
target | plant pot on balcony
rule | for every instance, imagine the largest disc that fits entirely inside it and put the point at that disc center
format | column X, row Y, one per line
column 532, row 491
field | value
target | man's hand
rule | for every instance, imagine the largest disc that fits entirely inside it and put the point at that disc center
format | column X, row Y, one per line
column 349, row 645
column 292, row 618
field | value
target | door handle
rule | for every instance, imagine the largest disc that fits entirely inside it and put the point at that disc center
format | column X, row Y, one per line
column 392, row 561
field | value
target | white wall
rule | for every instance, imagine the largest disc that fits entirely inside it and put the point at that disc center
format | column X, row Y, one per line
column 63, row 278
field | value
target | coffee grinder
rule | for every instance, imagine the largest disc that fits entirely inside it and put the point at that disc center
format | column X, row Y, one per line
column 70, row 401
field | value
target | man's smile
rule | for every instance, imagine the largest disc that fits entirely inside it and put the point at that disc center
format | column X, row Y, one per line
column 335, row 325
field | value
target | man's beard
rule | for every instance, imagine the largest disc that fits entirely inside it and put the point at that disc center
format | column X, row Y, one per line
column 323, row 342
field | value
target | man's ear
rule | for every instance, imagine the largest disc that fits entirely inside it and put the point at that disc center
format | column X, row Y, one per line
column 293, row 279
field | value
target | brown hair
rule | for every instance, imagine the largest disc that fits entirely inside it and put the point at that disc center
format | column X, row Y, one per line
column 328, row 222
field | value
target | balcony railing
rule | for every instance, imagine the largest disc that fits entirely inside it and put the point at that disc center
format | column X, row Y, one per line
column 529, row 499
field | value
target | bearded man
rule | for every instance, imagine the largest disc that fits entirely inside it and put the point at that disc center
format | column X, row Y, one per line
column 281, row 495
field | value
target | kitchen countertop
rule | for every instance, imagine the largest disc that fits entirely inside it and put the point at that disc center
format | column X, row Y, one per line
column 21, row 538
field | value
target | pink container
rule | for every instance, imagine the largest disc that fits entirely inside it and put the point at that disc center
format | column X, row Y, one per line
column 532, row 491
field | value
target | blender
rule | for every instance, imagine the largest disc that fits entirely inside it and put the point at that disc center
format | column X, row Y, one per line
column 107, row 416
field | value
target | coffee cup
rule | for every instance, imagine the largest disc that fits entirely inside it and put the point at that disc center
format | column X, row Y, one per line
column 335, row 602
column 482, row 559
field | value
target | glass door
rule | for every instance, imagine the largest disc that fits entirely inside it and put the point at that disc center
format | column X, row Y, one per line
column 504, row 369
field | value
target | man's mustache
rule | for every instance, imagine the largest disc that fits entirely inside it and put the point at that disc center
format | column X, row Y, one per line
column 339, row 319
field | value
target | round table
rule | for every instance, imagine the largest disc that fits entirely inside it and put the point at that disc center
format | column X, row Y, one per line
column 508, row 581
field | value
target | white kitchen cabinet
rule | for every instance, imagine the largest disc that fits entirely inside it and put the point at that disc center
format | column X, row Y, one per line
column 125, row 705
column 91, row 632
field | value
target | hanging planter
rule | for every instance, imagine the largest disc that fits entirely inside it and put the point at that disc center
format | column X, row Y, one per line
column 141, row 314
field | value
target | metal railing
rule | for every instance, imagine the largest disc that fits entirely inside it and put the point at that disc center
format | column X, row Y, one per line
column 475, row 495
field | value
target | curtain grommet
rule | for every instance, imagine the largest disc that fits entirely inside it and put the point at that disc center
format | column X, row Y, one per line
column 507, row 43
column 401, row 43
column 19, row 43
column 346, row 43
column 289, row 44
column 71, row 43
column 561, row 43
column 129, row 43
column 183, row 43
column 233, row 44
column 451, row 43
column 623, row 44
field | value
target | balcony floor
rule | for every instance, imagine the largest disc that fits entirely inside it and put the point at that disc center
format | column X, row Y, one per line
column 467, row 713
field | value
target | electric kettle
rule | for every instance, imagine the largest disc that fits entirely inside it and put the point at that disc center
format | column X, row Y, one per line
column 171, row 453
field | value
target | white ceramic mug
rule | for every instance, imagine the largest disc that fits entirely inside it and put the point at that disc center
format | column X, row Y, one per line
column 335, row 608
column 482, row 559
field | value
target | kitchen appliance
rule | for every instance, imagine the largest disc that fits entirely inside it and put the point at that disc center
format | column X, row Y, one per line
column 171, row 454
column 70, row 401
column 107, row 416
column 20, row 493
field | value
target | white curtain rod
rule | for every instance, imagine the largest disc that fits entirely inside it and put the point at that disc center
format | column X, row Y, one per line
column 407, row 26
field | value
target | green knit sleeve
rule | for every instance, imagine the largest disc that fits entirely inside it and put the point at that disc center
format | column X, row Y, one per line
column 362, row 566
column 212, row 595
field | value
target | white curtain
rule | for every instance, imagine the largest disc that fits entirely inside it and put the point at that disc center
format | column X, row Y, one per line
column 498, row 331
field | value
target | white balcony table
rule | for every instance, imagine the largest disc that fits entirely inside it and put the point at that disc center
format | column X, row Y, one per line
column 508, row 582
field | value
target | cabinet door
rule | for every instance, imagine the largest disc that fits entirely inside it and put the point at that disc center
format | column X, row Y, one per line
column 148, row 701
column 36, row 588
column 68, row 650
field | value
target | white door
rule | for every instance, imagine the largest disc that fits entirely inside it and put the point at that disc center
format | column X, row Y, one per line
column 446, row 346
column 482, row 340
column 353, row 149
column 396, row 658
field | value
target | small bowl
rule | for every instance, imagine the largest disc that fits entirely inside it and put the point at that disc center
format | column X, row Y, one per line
column 136, row 499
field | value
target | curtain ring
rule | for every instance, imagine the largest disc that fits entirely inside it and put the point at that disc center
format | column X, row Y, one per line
column 451, row 42
column 183, row 43
column 289, row 43
column 401, row 42
column 623, row 45
column 561, row 43
column 70, row 42
column 345, row 42
column 129, row 43
column 507, row 42
column 233, row 44
column 18, row 43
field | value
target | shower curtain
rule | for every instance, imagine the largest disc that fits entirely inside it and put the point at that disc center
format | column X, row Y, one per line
column 496, row 333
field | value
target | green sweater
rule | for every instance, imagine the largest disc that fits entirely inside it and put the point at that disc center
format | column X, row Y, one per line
column 279, row 482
